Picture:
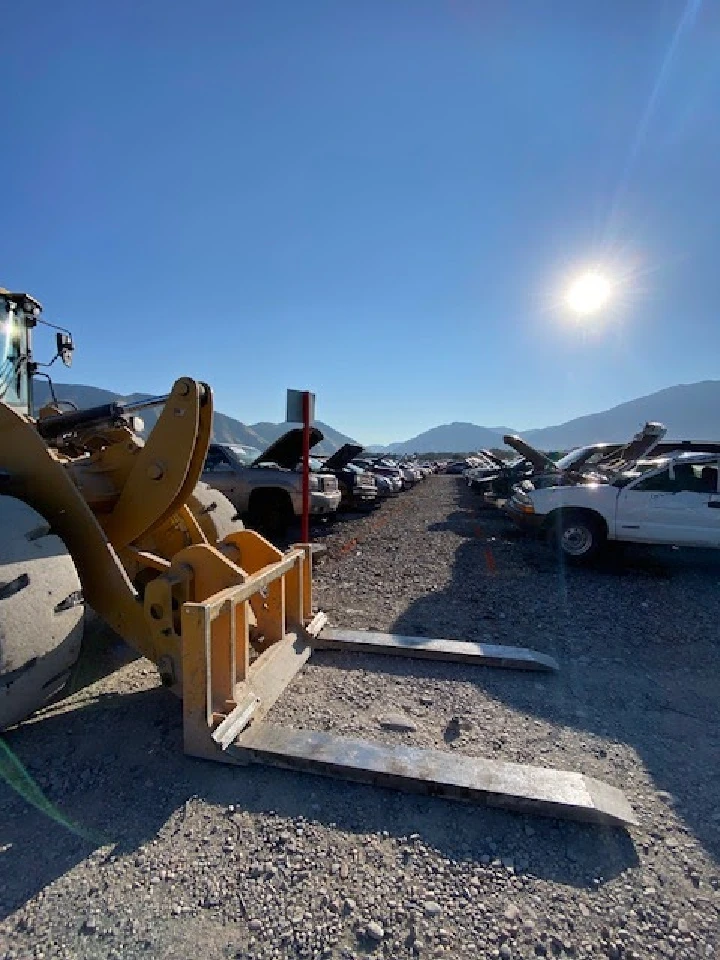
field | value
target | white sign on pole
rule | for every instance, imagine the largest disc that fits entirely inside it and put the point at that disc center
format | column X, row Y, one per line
column 294, row 408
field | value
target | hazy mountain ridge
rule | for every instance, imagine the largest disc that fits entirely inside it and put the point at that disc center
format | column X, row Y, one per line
column 689, row 411
column 456, row 436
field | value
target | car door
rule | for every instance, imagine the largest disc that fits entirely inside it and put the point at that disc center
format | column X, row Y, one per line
column 219, row 472
column 679, row 504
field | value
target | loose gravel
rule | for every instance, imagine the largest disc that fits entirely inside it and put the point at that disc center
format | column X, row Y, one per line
column 154, row 854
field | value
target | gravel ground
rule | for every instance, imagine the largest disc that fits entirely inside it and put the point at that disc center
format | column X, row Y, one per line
column 157, row 855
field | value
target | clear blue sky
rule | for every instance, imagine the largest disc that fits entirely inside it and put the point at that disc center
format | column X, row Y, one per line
column 376, row 200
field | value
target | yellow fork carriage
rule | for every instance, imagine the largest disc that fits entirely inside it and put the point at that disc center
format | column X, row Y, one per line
column 91, row 514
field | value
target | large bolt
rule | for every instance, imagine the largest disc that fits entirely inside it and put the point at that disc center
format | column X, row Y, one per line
column 155, row 471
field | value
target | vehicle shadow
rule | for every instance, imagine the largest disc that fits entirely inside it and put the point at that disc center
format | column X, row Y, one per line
column 637, row 641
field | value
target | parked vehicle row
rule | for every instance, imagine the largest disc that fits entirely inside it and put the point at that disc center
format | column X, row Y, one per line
column 649, row 490
column 266, row 487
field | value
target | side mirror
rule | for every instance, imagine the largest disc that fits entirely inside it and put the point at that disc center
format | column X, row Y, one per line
column 65, row 347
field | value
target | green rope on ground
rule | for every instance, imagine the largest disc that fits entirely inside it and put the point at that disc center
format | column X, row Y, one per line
column 16, row 776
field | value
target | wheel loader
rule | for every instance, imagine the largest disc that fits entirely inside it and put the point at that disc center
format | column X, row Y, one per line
column 92, row 515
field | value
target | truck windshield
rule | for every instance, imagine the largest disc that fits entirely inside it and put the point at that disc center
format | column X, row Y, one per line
column 244, row 455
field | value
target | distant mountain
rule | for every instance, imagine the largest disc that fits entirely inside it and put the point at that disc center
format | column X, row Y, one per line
column 688, row 410
column 225, row 429
column 456, row 437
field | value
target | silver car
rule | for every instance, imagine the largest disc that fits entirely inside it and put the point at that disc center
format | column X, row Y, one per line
column 267, row 487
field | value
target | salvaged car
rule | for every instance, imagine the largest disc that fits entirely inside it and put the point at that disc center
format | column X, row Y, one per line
column 358, row 487
column 499, row 480
column 378, row 470
column 385, row 485
column 486, row 468
column 605, row 458
column 457, row 466
column 267, row 487
column 533, row 464
column 672, row 499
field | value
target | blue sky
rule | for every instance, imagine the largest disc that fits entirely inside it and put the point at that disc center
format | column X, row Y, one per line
column 380, row 201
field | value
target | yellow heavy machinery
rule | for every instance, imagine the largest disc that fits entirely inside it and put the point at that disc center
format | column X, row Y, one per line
column 90, row 514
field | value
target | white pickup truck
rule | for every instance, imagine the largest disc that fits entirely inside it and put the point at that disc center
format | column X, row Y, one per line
column 672, row 500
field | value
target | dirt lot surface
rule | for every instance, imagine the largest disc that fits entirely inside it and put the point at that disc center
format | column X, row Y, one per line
column 152, row 854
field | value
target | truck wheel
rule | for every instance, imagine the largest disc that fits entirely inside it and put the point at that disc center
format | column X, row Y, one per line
column 41, row 612
column 215, row 514
column 271, row 511
column 578, row 536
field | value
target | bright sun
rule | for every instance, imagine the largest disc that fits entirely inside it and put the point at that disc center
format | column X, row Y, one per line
column 588, row 293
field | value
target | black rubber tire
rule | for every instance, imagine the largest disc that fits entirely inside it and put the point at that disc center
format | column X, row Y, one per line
column 577, row 535
column 42, row 614
column 270, row 511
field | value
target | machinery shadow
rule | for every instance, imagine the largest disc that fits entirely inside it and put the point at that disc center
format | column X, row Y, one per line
column 114, row 771
column 627, row 676
column 115, row 775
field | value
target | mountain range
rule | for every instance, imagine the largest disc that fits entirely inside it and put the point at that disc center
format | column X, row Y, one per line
column 689, row 411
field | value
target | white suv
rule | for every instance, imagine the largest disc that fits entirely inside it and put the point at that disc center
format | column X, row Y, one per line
column 667, row 500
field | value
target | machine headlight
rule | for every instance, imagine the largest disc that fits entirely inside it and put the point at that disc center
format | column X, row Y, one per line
column 314, row 483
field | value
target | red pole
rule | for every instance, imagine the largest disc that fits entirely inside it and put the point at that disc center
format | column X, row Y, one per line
column 306, row 469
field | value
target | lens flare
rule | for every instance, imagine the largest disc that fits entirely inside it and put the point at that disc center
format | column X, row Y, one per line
column 588, row 293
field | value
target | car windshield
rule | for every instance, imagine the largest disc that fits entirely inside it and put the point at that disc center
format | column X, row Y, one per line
column 637, row 470
column 580, row 454
column 244, row 455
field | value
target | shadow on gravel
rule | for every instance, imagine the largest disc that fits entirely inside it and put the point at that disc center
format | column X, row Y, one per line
column 637, row 641
column 115, row 767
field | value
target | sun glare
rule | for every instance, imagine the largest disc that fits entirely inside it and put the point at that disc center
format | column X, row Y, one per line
column 588, row 293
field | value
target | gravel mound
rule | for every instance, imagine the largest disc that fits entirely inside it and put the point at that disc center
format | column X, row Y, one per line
column 157, row 855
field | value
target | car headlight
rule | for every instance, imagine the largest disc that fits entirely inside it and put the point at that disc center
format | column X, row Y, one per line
column 522, row 501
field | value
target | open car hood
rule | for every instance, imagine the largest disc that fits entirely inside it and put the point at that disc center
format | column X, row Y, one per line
column 492, row 459
column 640, row 446
column 342, row 457
column 287, row 450
column 537, row 459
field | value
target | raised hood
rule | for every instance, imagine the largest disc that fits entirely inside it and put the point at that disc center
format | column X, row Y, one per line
column 342, row 457
column 287, row 449
column 641, row 445
column 537, row 459
column 490, row 456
